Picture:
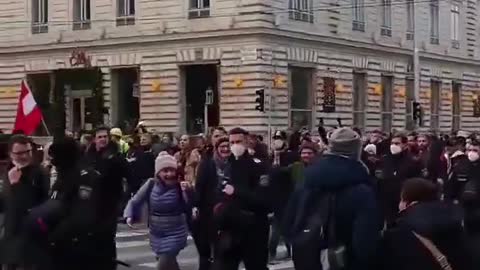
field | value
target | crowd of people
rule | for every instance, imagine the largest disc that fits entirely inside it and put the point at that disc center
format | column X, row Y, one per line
column 337, row 199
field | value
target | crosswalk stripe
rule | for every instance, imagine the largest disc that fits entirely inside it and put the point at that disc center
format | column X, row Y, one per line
column 280, row 266
column 189, row 261
column 131, row 233
column 131, row 244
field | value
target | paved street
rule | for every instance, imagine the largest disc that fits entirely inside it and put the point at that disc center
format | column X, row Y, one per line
column 133, row 248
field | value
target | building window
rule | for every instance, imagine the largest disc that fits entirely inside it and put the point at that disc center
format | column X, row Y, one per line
column 434, row 22
column 199, row 9
column 329, row 97
column 359, row 99
column 125, row 12
column 81, row 14
column 454, row 26
column 301, row 97
column 301, row 10
column 409, row 99
column 435, row 105
column 387, row 103
column 410, row 19
column 39, row 16
column 386, row 29
column 456, row 89
column 358, row 15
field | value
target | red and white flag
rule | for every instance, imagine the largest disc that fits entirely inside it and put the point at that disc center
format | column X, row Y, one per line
column 29, row 115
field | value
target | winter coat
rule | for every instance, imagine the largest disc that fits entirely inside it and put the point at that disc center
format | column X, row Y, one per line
column 206, row 185
column 458, row 175
column 356, row 208
column 473, row 244
column 142, row 165
column 167, row 215
column 470, row 198
column 19, row 199
column 113, row 169
column 439, row 222
column 396, row 170
column 251, row 201
column 284, row 181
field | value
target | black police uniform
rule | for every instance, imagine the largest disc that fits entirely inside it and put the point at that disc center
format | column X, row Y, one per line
column 242, row 218
column 113, row 168
column 458, row 176
column 80, row 240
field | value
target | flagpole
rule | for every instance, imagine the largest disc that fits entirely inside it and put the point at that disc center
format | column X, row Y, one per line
column 45, row 127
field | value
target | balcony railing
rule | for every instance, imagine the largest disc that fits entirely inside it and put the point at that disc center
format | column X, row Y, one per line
column 81, row 25
column 386, row 31
column 456, row 44
column 38, row 28
column 126, row 20
column 199, row 13
column 299, row 15
column 358, row 26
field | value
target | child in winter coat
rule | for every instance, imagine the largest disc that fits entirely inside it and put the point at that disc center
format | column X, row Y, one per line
column 167, row 210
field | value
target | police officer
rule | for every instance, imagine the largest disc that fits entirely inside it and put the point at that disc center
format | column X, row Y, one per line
column 458, row 166
column 104, row 157
column 241, row 209
column 78, row 238
column 397, row 167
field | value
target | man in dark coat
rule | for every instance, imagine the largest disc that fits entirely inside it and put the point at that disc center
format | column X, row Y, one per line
column 241, row 209
column 70, row 218
column 210, row 173
column 424, row 217
column 470, row 200
column 141, row 162
column 340, row 171
column 26, row 186
column 398, row 166
column 104, row 157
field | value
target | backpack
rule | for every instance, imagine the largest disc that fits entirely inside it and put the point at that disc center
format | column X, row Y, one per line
column 313, row 234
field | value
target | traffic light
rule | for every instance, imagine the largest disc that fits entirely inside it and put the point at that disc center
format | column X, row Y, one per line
column 417, row 112
column 260, row 100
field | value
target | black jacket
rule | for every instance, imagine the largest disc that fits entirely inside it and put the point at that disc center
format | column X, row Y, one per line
column 459, row 174
column 113, row 169
column 31, row 191
column 470, row 198
column 142, row 166
column 396, row 169
column 356, row 207
column 206, row 185
column 250, row 203
column 19, row 199
column 439, row 222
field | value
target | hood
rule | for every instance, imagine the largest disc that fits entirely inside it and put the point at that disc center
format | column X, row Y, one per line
column 333, row 172
column 432, row 219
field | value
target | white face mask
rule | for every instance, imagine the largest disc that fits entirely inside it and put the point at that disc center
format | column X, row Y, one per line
column 277, row 144
column 395, row 149
column 473, row 156
column 237, row 149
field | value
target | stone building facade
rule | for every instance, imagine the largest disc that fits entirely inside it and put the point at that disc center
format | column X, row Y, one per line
column 327, row 59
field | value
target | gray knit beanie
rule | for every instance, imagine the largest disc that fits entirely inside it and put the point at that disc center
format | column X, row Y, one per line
column 345, row 142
